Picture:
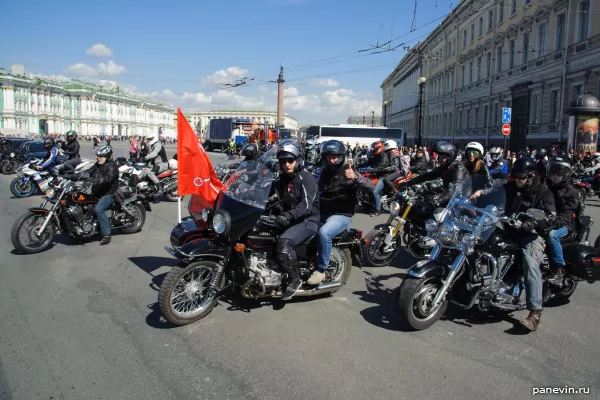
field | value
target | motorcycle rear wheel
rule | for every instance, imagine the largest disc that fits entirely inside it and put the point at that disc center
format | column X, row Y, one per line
column 190, row 293
column 413, row 298
column 373, row 249
column 20, row 224
column 172, row 195
column 8, row 168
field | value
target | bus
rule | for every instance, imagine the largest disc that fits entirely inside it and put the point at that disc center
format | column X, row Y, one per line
column 353, row 134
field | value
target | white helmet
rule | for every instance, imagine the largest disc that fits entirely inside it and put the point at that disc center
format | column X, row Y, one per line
column 495, row 153
column 475, row 146
column 152, row 140
column 390, row 145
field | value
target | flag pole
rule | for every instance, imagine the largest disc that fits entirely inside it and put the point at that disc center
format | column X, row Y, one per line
column 179, row 208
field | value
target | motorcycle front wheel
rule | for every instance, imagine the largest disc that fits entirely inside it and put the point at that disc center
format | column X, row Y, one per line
column 374, row 249
column 8, row 168
column 20, row 188
column 23, row 236
column 185, row 296
column 414, row 299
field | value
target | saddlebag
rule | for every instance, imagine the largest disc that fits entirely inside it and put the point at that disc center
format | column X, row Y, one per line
column 583, row 261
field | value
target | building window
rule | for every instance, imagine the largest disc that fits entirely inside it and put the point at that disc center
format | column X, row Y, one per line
column 462, row 76
column 583, row 20
column 464, row 38
column 472, row 32
column 449, row 48
column 525, row 49
column 554, row 106
column 485, row 116
column 479, row 62
column 577, row 89
column 560, row 31
column 460, row 119
column 476, row 124
column 499, row 59
column 490, row 18
column 500, row 11
column 513, row 6
column 536, row 108
column 527, row 2
column 488, row 65
column 511, row 54
column 496, row 120
column 468, row 125
column 470, row 72
column 480, row 26
column 542, row 39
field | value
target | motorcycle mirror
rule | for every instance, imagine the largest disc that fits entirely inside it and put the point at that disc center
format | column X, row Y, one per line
column 536, row 214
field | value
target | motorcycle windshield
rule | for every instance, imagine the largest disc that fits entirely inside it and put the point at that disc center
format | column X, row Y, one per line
column 476, row 216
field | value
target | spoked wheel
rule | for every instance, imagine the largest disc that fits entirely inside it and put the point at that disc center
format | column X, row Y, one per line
column 415, row 298
column 185, row 295
column 22, row 187
column 340, row 265
column 375, row 250
column 8, row 167
column 24, row 237
column 139, row 214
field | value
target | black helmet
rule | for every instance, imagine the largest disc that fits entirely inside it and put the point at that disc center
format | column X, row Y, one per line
column 48, row 143
column 3, row 140
column 333, row 147
column 71, row 135
column 250, row 151
column 559, row 170
column 541, row 153
column 445, row 148
column 104, row 151
column 523, row 168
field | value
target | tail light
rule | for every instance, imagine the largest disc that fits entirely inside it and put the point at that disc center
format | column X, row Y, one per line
column 359, row 234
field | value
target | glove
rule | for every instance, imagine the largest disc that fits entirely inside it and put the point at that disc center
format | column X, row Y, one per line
column 282, row 221
column 528, row 226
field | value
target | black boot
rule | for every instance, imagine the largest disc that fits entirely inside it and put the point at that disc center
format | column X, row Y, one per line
column 559, row 275
column 292, row 287
column 105, row 240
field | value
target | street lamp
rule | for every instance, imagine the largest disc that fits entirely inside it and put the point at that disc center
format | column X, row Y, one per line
column 422, row 81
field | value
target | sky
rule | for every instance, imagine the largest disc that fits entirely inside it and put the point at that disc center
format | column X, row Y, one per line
column 189, row 53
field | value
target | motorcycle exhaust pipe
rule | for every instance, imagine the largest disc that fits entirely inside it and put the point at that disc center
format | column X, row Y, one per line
column 171, row 186
column 322, row 289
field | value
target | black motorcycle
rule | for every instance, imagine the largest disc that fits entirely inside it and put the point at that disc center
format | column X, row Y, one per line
column 72, row 213
column 476, row 262
column 233, row 245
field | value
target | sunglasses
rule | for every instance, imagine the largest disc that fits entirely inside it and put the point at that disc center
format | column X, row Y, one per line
column 286, row 161
column 472, row 152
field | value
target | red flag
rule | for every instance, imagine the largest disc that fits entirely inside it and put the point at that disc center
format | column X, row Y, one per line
column 196, row 173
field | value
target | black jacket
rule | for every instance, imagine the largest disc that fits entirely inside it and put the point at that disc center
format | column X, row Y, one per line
column 104, row 178
column 380, row 164
column 541, row 168
column 567, row 204
column 304, row 192
column 419, row 165
column 483, row 170
column 72, row 150
column 453, row 173
column 339, row 194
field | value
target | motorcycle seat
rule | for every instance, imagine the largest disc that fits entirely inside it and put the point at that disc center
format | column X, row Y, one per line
column 168, row 172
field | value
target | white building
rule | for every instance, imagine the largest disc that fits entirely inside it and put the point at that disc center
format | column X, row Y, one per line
column 532, row 56
column 33, row 105
column 199, row 120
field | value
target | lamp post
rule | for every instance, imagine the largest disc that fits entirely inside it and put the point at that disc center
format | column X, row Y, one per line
column 422, row 81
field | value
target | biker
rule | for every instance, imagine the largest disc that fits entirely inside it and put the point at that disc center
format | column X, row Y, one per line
column 51, row 158
column 419, row 163
column 499, row 168
column 156, row 150
column 567, row 207
column 4, row 146
column 298, row 211
column 379, row 163
column 474, row 161
column 71, row 149
column 338, row 185
column 528, row 190
column 398, row 164
column 104, row 177
column 250, row 152
column 541, row 161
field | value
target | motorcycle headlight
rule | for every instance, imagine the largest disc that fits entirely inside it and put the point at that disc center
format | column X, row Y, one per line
column 448, row 233
column 394, row 208
column 50, row 193
column 430, row 225
column 220, row 223
column 12, row 155
column 467, row 239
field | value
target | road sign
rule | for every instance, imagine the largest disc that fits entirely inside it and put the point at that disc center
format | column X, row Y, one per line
column 506, row 115
column 506, row 129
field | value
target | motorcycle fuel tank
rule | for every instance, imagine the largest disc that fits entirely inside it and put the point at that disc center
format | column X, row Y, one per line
column 81, row 198
column 261, row 238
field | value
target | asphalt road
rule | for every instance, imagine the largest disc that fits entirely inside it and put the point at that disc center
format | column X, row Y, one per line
column 81, row 322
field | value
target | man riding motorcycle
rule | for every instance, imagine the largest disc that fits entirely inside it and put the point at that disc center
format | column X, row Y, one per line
column 104, row 177
column 71, row 149
column 250, row 152
column 397, row 162
column 379, row 163
column 541, row 162
column 156, row 150
column 51, row 159
column 298, row 211
column 499, row 168
column 338, row 185
column 419, row 163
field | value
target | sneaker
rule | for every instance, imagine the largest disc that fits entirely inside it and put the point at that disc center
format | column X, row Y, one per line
column 292, row 288
column 558, row 277
column 377, row 213
column 105, row 240
column 316, row 278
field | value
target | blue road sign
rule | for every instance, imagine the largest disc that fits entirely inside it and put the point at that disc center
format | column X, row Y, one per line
column 506, row 115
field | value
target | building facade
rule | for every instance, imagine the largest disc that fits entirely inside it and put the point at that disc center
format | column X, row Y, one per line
column 369, row 119
column 32, row 105
column 199, row 120
column 532, row 56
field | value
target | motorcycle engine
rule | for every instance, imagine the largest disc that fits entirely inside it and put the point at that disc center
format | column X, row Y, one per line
column 75, row 213
column 143, row 186
column 265, row 267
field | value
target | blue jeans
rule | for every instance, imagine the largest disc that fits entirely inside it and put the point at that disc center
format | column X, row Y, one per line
column 377, row 193
column 334, row 225
column 591, row 180
column 533, row 252
column 556, row 252
column 100, row 212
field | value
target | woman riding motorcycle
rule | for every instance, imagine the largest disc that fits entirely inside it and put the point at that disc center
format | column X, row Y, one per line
column 474, row 161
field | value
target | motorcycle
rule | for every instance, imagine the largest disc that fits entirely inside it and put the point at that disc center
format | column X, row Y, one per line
column 11, row 163
column 145, row 187
column 29, row 179
column 406, row 223
column 72, row 213
column 366, row 198
column 233, row 246
column 485, row 269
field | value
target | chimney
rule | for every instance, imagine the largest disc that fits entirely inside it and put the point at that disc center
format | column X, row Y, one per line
column 280, row 98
